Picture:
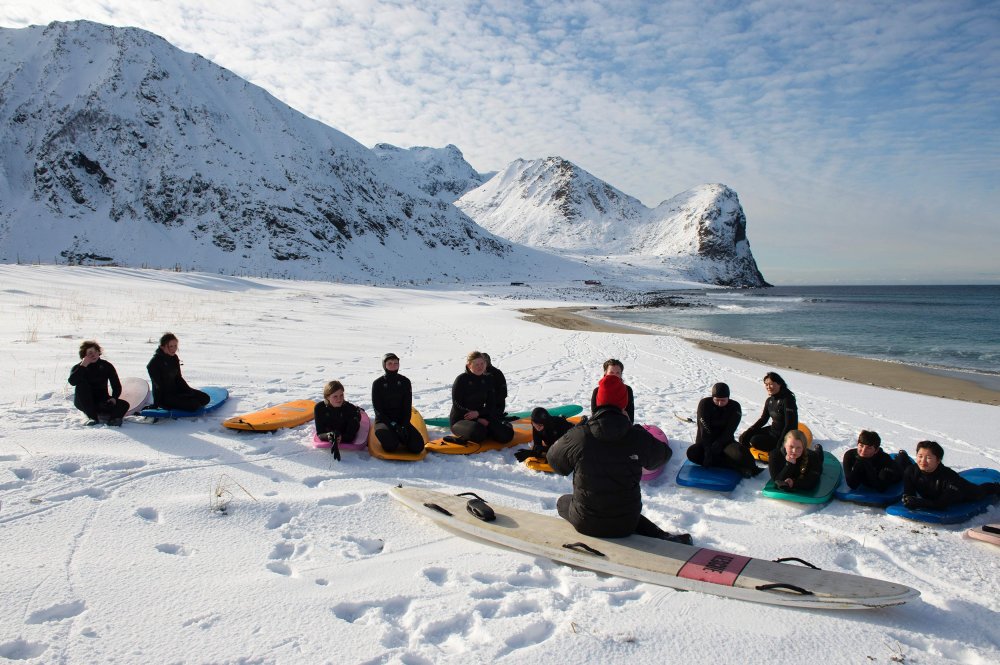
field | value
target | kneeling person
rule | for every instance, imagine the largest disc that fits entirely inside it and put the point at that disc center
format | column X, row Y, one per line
column 606, row 456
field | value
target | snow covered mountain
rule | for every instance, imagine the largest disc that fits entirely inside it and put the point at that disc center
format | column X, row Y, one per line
column 555, row 204
column 439, row 172
column 117, row 147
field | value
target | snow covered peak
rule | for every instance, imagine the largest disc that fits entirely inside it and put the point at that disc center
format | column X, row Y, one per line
column 555, row 204
column 439, row 172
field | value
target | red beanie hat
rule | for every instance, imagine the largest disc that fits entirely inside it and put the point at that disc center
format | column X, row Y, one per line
column 611, row 391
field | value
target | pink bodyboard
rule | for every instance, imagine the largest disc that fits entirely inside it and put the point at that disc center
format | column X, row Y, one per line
column 650, row 474
column 357, row 443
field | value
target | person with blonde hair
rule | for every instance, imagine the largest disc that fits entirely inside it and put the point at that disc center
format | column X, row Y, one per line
column 337, row 420
column 476, row 414
column 794, row 466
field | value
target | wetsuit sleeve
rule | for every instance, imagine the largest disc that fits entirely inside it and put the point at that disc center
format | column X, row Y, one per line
column 853, row 473
column 809, row 477
column 593, row 401
column 116, row 384
column 733, row 417
column 791, row 412
column 630, row 409
column 76, row 375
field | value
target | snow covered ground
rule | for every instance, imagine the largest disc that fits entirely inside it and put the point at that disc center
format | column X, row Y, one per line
column 110, row 550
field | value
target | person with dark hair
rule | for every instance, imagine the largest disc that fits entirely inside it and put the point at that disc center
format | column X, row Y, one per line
column 499, row 383
column 780, row 408
column 337, row 420
column 931, row 485
column 546, row 429
column 715, row 441
column 794, row 466
column 392, row 400
column 170, row 390
column 615, row 367
column 91, row 378
column 475, row 414
column 871, row 466
column 606, row 456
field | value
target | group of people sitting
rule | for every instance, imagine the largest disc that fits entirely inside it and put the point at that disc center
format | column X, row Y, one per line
column 98, row 389
column 606, row 452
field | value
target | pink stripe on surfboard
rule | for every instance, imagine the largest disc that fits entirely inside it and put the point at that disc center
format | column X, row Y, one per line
column 712, row 566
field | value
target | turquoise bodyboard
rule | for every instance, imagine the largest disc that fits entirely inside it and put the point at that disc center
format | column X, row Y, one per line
column 823, row 492
column 955, row 513
column 714, row 478
column 218, row 396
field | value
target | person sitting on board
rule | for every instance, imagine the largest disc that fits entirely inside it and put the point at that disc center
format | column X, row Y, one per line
column 871, row 466
column 337, row 420
column 794, row 466
column 546, row 429
column 91, row 377
column 715, row 441
column 475, row 414
column 499, row 383
column 606, row 456
column 392, row 400
column 615, row 367
column 780, row 409
column 170, row 390
column 929, row 484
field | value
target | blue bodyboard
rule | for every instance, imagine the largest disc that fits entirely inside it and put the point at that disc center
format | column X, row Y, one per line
column 868, row 496
column 714, row 478
column 958, row 512
column 218, row 396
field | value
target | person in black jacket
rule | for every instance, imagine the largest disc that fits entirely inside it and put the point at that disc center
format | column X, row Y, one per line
column 931, row 485
column 546, row 429
column 337, row 420
column 715, row 442
column 499, row 383
column 780, row 409
column 392, row 400
column 794, row 466
column 170, row 390
column 475, row 414
column 615, row 367
column 871, row 466
column 606, row 456
column 91, row 377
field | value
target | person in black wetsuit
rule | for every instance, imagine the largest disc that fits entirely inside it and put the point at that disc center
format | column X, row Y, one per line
column 475, row 414
column 780, row 409
column 91, row 377
column 546, row 429
column 715, row 442
column 499, row 383
column 794, row 466
column 930, row 484
column 170, row 390
column 871, row 466
column 337, row 420
column 392, row 400
column 606, row 456
column 615, row 367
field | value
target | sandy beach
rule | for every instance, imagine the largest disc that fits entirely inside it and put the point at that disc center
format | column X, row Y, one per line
column 849, row 368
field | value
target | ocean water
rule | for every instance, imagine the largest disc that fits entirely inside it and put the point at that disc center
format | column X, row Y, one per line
column 944, row 328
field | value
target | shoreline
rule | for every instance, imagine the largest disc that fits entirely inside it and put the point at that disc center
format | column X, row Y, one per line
column 865, row 371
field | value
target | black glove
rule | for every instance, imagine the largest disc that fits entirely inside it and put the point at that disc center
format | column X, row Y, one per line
column 914, row 502
column 522, row 455
column 326, row 436
column 335, row 449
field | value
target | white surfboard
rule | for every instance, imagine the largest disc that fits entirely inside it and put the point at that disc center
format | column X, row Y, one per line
column 659, row 561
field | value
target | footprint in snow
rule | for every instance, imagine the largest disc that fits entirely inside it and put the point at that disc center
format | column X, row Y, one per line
column 170, row 548
column 59, row 612
column 22, row 650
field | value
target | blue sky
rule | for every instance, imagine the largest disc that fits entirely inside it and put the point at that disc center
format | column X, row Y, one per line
column 862, row 137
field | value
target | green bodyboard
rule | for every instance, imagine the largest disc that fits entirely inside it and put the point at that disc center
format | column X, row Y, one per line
column 566, row 410
column 823, row 492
